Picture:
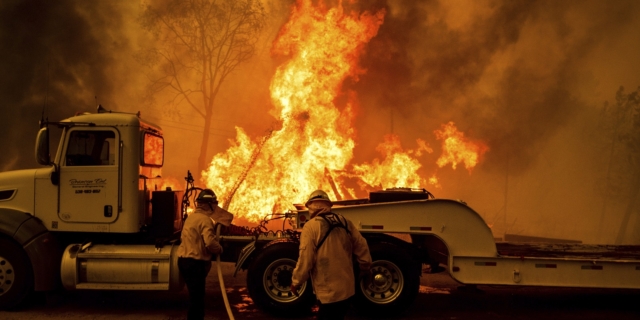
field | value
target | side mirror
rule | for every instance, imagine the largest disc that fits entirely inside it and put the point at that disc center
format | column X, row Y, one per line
column 42, row 147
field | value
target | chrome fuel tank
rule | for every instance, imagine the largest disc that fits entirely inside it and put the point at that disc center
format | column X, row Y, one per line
column 120, row 267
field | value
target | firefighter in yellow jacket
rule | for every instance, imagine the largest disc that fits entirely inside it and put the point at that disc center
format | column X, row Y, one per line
column 198, row 245
column 327, row 244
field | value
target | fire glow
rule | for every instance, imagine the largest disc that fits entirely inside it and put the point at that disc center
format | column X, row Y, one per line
column 313, row 147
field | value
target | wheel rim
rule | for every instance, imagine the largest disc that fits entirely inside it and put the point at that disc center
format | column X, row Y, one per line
column 6, row 275
column 277, row 280
column 386, row 282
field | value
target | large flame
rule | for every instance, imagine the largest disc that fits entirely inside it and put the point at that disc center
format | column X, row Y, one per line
column 316, row 137
column 313, row 146
column 456, row 148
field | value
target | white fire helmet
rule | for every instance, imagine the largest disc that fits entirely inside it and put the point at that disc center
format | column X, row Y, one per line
column 318, row 195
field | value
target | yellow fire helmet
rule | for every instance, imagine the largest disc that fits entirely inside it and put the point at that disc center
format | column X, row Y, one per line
column 318, row 195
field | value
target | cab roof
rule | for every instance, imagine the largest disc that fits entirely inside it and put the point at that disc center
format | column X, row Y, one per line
column 112, row 119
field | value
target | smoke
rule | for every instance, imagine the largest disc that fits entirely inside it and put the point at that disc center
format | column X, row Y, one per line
column 58, row 58
column 513, row 71
column 525, row 77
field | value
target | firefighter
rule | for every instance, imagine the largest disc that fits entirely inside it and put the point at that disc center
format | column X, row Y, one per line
column 198, row 245
column 327, row 244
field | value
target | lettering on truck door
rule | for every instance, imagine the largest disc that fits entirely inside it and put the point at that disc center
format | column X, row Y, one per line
column 89, row 176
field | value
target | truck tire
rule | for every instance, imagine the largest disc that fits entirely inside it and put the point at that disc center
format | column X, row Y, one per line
column 269, row 281
column 16, row 277
column 394, row 283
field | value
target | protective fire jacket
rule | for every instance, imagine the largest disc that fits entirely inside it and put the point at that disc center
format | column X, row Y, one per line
column 330, row 266
column 198, row 240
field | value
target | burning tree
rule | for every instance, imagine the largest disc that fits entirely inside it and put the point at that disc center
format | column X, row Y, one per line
column 200, row 43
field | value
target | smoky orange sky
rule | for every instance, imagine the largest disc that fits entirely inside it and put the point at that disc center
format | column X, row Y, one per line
column 528, row 78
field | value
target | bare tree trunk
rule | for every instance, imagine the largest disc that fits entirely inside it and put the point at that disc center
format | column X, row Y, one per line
column 631, row 206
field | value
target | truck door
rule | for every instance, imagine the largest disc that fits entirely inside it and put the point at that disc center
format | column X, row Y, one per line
column 89, row 173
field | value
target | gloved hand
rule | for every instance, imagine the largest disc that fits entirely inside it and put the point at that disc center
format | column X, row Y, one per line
column 294, row 290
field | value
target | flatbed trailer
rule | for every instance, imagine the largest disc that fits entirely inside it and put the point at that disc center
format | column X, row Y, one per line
column 408, row 229
column 555, row 265
column 459, row 237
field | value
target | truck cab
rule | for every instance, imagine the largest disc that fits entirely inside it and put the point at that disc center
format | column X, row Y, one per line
column 98, row 178
column 93, row 192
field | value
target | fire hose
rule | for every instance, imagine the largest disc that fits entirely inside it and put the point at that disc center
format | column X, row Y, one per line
column 221, row 280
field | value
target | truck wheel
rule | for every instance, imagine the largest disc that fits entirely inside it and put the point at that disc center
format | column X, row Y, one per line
column 16, row 278
column 394, row 283
column 269, row 281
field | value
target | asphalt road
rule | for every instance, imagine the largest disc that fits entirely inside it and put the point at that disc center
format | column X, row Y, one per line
column 439, row 298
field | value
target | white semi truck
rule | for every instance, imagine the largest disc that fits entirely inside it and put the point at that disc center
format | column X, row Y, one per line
column 91, row 220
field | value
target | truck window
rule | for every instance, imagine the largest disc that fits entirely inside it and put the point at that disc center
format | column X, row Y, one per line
column 153, row 153
column 91, row 148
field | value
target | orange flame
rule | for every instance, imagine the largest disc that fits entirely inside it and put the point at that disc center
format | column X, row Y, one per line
column 398, row 169
column 458, row 149
column 167, row 183
column 316, row 136
column 313, row 148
